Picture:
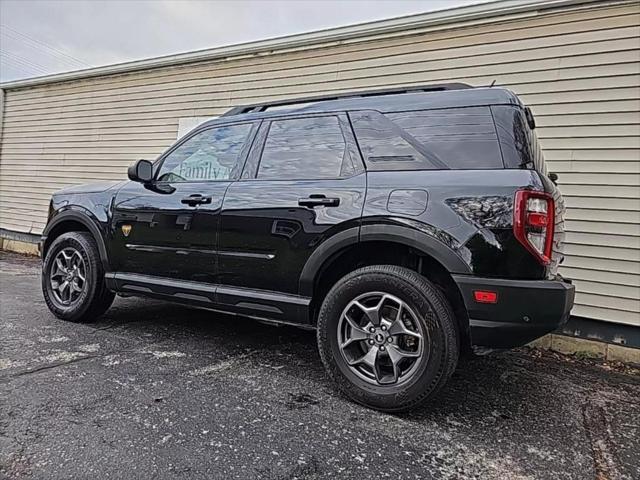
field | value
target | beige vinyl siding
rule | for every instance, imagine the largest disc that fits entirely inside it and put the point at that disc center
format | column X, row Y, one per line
column 578, row 69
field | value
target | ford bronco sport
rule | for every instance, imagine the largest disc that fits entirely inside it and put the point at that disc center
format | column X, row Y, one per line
column 406, row 226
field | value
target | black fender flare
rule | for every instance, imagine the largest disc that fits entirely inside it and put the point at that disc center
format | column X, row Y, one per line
column 408, row 236
column 86, row 220
column 321, row 254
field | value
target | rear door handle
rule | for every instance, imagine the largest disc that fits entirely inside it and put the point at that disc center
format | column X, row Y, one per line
column 318, row 201
column 196, row 199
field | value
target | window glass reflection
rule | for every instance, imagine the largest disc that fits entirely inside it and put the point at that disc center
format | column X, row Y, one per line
column 463, row 138
column 455, row 138
column 212, row 154
column 305, row 148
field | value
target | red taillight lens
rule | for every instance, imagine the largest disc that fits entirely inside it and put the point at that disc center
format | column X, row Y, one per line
column 538, row 220
column 533, row 222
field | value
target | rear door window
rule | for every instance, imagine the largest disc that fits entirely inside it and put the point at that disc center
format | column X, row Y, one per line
column 457, row 138
column 305, row 148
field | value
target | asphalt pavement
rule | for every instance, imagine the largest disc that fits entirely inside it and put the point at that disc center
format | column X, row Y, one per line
column 154, row 390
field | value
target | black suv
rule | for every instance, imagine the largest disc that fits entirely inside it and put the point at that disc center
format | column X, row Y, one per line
column 405, row 226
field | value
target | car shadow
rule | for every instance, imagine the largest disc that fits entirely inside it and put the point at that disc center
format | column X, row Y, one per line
column 498, row 387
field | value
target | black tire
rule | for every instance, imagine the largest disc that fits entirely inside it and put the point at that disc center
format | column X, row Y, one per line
column 421, row 296
column 95, row 298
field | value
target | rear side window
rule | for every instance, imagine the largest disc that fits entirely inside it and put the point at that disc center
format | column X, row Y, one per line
column 305, row 148
column 457, row 138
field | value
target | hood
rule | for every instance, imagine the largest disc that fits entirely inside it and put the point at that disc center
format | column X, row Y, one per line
column 96, row 187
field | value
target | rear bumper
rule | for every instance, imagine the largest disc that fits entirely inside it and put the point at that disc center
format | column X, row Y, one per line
column 525, row 309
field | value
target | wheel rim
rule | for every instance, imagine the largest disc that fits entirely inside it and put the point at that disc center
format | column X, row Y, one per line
column 68, row 276
column 381, row 339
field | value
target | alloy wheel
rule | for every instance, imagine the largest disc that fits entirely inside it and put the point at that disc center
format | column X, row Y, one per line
column 381, row 339
column 68, row 276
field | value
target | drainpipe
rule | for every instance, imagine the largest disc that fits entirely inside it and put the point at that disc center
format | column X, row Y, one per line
column 1, row 113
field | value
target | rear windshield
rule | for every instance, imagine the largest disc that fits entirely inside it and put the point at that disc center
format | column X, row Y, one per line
column 454, row 138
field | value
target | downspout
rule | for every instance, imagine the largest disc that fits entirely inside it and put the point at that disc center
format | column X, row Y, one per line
column 1, row 114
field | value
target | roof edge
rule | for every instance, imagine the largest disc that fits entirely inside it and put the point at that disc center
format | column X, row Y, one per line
column 486, row 10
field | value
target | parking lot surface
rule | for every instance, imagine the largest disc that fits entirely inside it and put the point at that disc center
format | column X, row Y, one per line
column 153, row 390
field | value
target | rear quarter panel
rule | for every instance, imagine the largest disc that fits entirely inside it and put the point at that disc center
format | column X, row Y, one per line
column 468, row 211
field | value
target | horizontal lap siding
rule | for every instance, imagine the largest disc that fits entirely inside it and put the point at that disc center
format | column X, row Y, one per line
column 578, row 70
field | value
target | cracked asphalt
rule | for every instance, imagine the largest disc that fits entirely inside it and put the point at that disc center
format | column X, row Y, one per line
column 153, row 390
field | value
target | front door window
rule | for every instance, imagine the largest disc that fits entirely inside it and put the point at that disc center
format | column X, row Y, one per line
column 210, row 155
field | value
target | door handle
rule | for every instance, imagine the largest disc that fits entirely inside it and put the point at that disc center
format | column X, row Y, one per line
column 196, row 199
column 318, row 201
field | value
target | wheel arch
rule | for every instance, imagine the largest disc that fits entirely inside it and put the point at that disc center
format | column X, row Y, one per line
column 393, row 234
column 385, row 244
column 73, row 221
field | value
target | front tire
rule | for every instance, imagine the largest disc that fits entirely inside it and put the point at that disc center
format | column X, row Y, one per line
column 387, row 337
column 73, row 279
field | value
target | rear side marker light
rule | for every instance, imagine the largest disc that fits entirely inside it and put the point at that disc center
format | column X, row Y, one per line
column 533, row 223
column 483, row 296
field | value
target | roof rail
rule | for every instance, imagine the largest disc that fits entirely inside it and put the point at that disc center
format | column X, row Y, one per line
column 261, row 107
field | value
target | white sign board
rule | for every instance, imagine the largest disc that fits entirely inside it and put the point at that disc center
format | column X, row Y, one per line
column 186, row 124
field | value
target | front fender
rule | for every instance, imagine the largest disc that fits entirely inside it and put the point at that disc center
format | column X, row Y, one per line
column 80, row 215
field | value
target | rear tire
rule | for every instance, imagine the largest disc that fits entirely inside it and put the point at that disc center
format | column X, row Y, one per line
column 407, row 357
column 73, row 279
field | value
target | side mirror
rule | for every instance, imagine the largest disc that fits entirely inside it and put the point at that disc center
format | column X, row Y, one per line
column 141, row 171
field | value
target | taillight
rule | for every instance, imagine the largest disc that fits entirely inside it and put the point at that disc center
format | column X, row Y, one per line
column 533, row 222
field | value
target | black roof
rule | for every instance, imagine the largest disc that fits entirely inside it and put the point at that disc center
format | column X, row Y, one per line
column 401, row 99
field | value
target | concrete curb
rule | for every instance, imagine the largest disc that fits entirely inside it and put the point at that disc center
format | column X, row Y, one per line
column 582, row 347
column 18, row 246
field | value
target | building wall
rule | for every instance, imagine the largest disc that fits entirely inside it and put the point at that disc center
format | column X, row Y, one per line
column 577, row 68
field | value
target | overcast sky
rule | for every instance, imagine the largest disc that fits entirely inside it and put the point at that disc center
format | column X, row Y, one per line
column 39, row 37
